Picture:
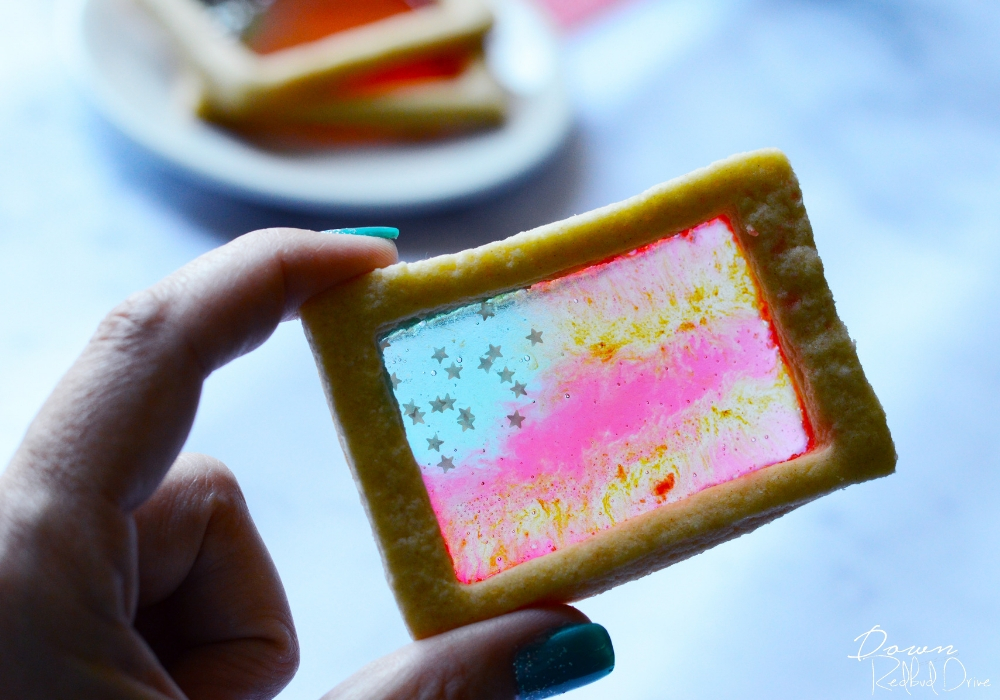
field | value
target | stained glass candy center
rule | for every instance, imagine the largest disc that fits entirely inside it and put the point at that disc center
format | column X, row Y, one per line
column 543, row 416
column 266, row 26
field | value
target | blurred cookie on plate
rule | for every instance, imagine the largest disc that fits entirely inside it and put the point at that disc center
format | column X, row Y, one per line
column 307, row 72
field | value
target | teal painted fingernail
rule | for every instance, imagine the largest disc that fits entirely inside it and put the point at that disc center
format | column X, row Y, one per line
column 376, row 231
column 569, row 658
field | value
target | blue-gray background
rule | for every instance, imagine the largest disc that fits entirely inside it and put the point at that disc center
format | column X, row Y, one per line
column 890, row 113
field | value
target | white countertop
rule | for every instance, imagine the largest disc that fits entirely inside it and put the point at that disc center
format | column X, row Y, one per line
column 890, row 113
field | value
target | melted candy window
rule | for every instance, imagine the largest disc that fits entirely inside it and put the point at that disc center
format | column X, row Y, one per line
column 543, row 416
column 266, row 26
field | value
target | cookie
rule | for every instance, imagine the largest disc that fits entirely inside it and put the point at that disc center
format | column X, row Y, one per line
column 542, row 418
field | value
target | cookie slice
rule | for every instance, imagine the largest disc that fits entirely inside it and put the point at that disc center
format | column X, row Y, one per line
column 404, row 108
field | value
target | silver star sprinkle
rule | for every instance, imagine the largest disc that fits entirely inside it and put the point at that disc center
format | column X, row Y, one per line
column 454, row 372
column 506, row 375
column 466, row 419
column 535, row 337
column 417, row 416
column 447, row 463
column 486, row 310
column 515, row 419
column 448, row 403
column 435, row 444
column 437, row 405
column 485, row 364
column 494, row 352
column 519, row 389
column 411, row 408
column 396, row 381
column 439, row 355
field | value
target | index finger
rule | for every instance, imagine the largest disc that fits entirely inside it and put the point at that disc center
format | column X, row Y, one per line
column 118, row 419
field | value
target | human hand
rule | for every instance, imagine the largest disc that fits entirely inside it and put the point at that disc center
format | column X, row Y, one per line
column 128, row 570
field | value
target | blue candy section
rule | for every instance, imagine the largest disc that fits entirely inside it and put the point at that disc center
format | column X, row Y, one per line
column 458, row 376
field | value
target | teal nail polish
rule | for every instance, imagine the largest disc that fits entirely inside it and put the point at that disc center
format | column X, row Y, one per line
column 375, row 231
column 569, row 658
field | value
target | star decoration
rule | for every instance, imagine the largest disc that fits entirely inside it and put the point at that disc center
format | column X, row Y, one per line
column 396, row 381
column 466, row 419
column 439, row 355
column 447, row 463
column 435, row 444
column 485, row 363
column 439, row 405
column 506, row 375
column 494, row 352
column 519, row 389
column 417, row 416
column 454, row 372
column 535, row 337
column 486, row 310
column 410, row 408
column 515, row 419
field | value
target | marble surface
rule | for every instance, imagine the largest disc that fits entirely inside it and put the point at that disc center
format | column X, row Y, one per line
column 890, row 114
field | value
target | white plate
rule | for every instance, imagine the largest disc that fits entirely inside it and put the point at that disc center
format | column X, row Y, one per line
column 128, row 66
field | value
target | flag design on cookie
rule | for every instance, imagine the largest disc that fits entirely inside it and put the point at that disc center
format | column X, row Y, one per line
column 545, row 415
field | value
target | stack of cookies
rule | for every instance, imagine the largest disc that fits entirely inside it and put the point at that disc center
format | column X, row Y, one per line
column 308, row 72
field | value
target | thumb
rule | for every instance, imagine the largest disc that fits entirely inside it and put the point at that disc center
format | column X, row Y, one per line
column 529, row 654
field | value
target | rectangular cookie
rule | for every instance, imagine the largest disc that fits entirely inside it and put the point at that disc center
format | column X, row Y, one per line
column 545, row 417
column 411, row 110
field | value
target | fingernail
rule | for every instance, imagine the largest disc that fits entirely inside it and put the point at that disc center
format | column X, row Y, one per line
column 376, row 231
column 569, row 658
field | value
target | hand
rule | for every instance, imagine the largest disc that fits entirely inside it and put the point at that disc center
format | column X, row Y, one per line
column 127, row 571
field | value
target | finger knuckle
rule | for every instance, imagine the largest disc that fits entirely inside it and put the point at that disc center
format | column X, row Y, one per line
column 284, row 660
column 222, row 485
column 136, row 319
column 146, row 324
column 210, row 482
